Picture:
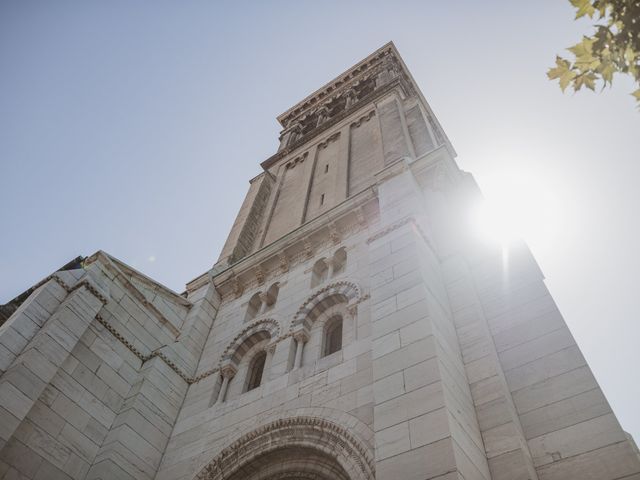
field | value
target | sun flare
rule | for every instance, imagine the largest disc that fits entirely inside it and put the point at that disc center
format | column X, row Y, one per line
column 515, row 207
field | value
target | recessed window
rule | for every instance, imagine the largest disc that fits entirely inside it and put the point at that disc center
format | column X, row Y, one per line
column 319, row 272
column 339, row 261
column 256, row 368
column 326, row 168
column 333, row 336
column 271, row 296
column 322, row 199
column 253, row 308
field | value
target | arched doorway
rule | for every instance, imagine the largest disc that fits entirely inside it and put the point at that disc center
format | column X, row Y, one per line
column 291, row 463
column 296, row 448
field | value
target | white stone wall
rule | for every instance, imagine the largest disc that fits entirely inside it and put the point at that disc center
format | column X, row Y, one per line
column 340, row 383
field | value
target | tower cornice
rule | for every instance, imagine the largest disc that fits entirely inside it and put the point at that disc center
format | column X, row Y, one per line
column 341, row 82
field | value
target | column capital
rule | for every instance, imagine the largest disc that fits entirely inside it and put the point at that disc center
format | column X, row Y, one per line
column 228, row 371
column 301, row 336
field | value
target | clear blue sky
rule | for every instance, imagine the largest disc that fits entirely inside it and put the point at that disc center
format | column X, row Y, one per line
column 134, row 127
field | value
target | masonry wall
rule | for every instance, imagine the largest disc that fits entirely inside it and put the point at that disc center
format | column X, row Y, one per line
column 85, row 396
column 337, row 387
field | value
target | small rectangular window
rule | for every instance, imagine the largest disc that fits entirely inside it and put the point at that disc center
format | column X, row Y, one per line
column 326, row 168
column 322, row 199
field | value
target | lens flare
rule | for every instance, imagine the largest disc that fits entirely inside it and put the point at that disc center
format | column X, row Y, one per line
column 517, row 207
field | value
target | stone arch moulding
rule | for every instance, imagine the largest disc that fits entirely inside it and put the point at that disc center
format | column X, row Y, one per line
column 301, row 432
column 255, row 332
column 326, row 296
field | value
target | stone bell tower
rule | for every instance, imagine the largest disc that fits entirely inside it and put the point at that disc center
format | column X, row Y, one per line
column 353, row 328
column 352, row 267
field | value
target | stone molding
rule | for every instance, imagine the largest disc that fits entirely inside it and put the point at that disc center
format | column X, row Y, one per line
column 237, row 279
column 269, row 325
column 266, row 324
column 396, row 83
column 329, row 140
column 364, row 119
column 144, row 358
column 106, row 261
column 396, row 225
column 311, row 432
column 86, row 281
column 346, row 288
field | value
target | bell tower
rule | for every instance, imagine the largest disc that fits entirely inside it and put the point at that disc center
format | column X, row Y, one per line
column 331, row 147
column 391, row 312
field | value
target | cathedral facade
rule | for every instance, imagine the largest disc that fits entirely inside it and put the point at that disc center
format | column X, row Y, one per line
column 353, row 328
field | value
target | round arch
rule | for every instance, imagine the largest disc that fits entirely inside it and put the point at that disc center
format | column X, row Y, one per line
column 267, row 328
column 342, row 291
column 312, row 446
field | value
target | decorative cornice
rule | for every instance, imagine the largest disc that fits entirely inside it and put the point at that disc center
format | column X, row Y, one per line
column 330, row 139
column 390, row 228
column 396, row 225
column 146, row 357
column 341, row 83
column 363, row 119
column 300, row 140
column 108, row 264
column 83, row 282
column 307, row 252
column 297, row 160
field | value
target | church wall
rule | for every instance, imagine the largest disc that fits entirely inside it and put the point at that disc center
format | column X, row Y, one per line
column 103, row 406
column 324, row 191
column 340, row 382
column 547, row 374
column 365, row 154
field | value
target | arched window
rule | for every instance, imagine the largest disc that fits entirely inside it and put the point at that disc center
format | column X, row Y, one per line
column 319, row 273
column 272, row 295
column 254, row 307
column 339, row 261
column 256, row 369
column 332, row 336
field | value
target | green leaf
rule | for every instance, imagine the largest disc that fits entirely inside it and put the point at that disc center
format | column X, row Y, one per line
column 636, row 94
column 590, row 81
column 584, row 7
column 607, row 72
column 583, row 49
column 566, row 78
column 561, row 67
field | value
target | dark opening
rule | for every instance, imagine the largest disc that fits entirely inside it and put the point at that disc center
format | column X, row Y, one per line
column 255, row 371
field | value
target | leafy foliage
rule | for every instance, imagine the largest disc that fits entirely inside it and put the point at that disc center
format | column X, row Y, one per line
column 613, row 48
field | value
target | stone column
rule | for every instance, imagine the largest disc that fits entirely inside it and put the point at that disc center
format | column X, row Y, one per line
column 266, row 374
column 227, row 372
column 329, row 263
column 264, row 298
column 395, row 144
column 301, row 338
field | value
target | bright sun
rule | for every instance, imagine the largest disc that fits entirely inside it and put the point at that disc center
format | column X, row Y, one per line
column 516, row 207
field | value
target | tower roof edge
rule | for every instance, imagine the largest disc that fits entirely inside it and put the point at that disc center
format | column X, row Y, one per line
column 338, row 83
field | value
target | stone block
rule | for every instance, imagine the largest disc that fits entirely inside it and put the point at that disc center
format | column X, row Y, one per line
column 392, row 441
column 429, row 428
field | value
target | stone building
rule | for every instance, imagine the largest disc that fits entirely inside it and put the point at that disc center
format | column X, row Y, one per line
column 352, row 329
